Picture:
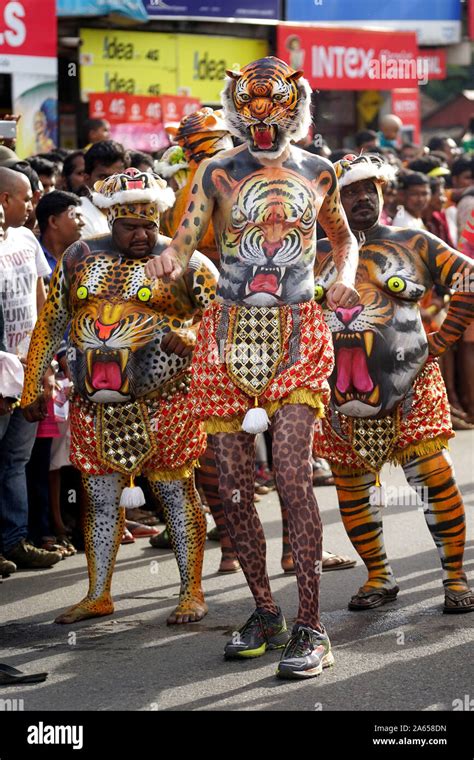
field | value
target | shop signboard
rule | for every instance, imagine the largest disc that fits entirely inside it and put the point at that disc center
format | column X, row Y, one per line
column 28, row 37
column 352, row 59
column 240, row 9
column 436, row 22
column 148, row 63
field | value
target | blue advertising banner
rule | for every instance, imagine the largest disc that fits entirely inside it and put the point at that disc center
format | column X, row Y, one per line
column 435, row 21
column 132, row 8
column 241, row 9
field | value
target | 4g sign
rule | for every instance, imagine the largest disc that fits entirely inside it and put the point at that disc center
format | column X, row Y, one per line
column 28, row 39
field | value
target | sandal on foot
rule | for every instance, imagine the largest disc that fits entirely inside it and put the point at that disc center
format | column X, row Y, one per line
column 140, row 530
column 142, row 516
column 336, row 562
column 456, row 602
column 10, row 676
column 368, row 599
column 127, row 537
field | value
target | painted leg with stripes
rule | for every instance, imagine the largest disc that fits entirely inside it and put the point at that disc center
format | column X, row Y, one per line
column 432, row 477
column 363, row 523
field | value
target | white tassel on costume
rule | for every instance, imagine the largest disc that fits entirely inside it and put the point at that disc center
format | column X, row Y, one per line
column 133, row 496
column 256, row 420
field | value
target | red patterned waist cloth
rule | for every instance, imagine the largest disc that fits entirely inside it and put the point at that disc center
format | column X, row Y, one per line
column 158, row 437
column 255, row 354
column 421, row 424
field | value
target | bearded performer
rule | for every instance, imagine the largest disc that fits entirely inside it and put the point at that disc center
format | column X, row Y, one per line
column 389, row 402
column 264, row 351
column 130, row 345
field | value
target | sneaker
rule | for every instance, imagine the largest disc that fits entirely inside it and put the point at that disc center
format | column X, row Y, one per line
column 262, row 631
column 306, row 654
column 6, row 567
column 24, row 554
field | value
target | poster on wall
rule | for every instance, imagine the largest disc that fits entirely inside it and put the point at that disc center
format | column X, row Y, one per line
column 36, row 99
column 243, row 9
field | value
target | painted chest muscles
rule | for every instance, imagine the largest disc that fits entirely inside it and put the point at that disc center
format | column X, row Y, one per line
column 265, row 226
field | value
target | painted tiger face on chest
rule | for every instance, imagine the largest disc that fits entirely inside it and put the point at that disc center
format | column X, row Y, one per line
column 268, row 243
column 380, row 344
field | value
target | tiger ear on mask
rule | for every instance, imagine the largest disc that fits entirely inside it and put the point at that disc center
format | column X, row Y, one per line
column 233, row 74
column 294, row 76
column 223, row 182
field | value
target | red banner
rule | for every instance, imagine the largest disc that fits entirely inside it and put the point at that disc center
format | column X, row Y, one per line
column 406, row 105
column 123, row 108
column 434, row 59
column 351, row 59
column 28, row 27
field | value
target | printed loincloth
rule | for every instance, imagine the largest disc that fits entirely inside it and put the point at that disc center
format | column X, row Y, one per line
column 277, row 355
column 158, row 437
column 421, row 424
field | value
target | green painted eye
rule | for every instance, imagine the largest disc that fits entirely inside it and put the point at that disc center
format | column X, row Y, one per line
column 244, row 96
column 144, row 294
column 82, row 292
column 319, row 293
column 396, row 284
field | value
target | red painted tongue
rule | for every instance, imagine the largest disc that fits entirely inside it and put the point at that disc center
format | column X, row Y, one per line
column 106, row 375
column 266, row 282
column 352, row 371
column 263, row 138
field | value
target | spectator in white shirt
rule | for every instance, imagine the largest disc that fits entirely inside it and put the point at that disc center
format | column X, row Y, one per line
column 415, row 195
column 101, row 161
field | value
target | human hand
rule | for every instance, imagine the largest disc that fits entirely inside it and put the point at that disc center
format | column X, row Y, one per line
column 341, row 294
column 164, row 266
column 173, row 343
column 36, row 411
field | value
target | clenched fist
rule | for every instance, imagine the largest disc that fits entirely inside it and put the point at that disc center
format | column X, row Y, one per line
column 165, row 265
column 340, row 294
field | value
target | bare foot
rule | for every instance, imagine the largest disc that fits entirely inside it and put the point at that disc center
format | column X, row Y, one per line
column 189, row 610
column 229, row 564
column 87, row 608
column 287, row 563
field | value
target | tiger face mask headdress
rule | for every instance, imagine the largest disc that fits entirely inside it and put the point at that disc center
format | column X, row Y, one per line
column 267, row 104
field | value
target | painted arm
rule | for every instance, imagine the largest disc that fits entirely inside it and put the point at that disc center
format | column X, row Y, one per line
column 452, row 269
column 201, row 284
column 345, row 250
column 174, row 260
column 45, row 341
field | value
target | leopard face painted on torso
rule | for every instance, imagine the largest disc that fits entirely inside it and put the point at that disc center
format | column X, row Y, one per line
column 118, row 318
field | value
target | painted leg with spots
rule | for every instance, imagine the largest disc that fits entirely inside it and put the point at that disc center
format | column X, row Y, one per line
column 432, row 477
column 103, row 530
column 186, row 524
column 235, row 460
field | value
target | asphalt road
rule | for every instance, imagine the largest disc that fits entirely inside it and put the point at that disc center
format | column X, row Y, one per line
column 405, row 656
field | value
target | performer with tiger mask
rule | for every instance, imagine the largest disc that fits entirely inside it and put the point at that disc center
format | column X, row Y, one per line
column 130, row 345
column 264, row 352
column 388, row 401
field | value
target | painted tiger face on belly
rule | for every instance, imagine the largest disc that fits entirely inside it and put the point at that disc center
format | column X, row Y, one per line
column 380, row 344
column 268, row 243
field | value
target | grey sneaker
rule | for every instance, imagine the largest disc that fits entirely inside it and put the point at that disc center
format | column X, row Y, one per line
column 25, row 555
column 306, row 654
column 6, row 567
column 262, row 631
